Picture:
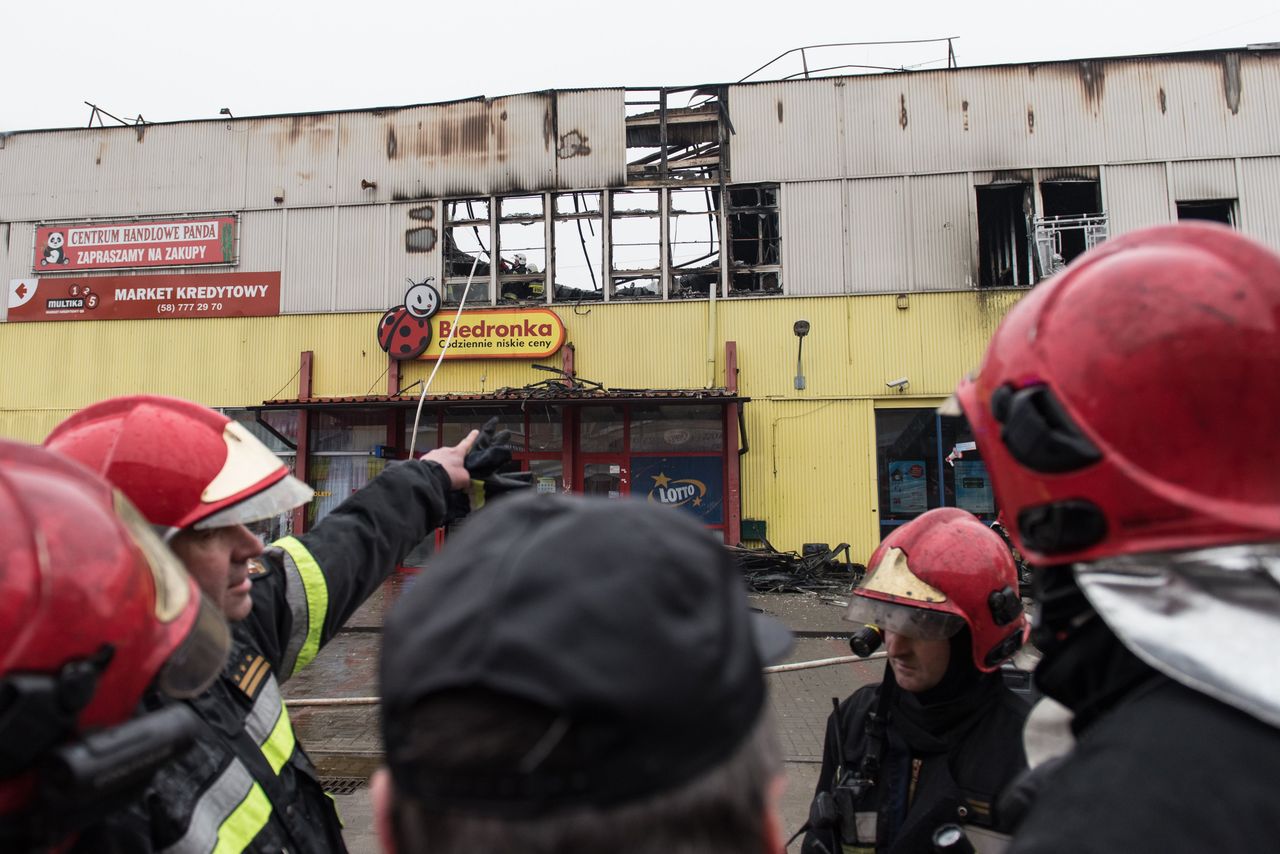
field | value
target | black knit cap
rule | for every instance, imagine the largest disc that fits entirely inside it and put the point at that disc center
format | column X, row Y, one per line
column 625, row 621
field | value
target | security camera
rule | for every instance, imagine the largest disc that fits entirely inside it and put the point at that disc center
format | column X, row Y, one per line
column 900, row 383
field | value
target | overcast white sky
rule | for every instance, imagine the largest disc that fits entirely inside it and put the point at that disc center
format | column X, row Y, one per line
column 185, row 59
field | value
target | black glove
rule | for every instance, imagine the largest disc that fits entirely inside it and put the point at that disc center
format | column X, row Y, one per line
column 492, row 451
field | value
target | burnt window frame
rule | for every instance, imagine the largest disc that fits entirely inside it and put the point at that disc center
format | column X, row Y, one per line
column 759, row 211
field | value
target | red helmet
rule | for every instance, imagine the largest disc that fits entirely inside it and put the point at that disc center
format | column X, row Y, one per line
column 182, row 464
column 942, row 571
column 1129, row 404
column 94, row 610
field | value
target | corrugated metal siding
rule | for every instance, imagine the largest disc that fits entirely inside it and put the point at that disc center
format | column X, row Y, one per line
column 591, row 139
column 813, row 241
column 1260, row 199
column 362, row 259
column 988, row 124
column 1055, row 114
column 804, row 492
column 218, row 362
column 406, row 220
column 122, row 171
column 260, row 241
column 15, row 257
column 31, row 425
column 938, row 217
column 877, row 228
column 1127, row 113
column 786, row 131
column 874, row 141
column 293, row 158
column 1204, row 179
column 308, row 276
column 1137, row 196
column 1258, row 124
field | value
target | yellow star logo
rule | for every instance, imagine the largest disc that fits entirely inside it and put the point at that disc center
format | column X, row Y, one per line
column 697, row 502
column 661, row 480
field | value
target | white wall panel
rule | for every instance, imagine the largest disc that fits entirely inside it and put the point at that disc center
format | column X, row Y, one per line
column 1260, row 199
column 813, row 242
column 293, row 158
column 1136, row 196
column 121, row 171
column 1204, row 179
column 785, row 131
column 308, row 280
column 362, row 259
column 260, row 241
column 938, row 216
column 877, row 227
column 591, row 138
column 413, row 247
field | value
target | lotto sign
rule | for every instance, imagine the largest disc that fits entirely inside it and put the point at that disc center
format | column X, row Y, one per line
column 143, row 243
column 145, row 297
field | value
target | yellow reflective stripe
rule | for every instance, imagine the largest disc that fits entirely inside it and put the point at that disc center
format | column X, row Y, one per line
column 238, row 831
column 477, row 494
column 317, row 597
column 279, row 745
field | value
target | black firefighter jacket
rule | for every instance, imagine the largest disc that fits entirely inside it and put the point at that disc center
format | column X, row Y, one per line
column 940, row 765
column 247, row 785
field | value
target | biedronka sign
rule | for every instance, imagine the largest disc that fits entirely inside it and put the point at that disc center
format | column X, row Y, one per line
column 416, row 330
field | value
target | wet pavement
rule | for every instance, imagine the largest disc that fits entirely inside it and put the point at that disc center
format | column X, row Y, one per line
column 344, row 741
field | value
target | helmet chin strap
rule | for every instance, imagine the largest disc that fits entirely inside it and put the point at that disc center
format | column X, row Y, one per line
column 38, row 710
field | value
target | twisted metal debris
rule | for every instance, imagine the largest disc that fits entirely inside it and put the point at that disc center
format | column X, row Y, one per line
column 768, row 570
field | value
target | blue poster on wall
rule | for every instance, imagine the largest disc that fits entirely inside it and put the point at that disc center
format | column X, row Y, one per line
column 908, row 488
column 694, row 484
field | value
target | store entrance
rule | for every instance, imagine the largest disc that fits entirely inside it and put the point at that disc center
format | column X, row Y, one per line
column 609, row 478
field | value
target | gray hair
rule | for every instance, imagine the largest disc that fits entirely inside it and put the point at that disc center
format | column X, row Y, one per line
column 722, row 811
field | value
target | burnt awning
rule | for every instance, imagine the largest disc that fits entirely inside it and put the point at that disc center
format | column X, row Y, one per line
column 541, row 394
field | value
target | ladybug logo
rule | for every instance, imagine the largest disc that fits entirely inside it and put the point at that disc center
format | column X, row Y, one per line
column 404, row 332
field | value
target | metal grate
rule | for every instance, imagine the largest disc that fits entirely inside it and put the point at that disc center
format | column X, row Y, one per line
column 342, row 785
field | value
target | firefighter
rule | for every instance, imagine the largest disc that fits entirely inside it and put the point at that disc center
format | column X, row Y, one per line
column 1127, row 411
column 200, row 477
column 939, row 739
column 95, row 613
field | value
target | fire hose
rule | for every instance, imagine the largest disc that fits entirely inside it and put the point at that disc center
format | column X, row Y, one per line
column 313, row 702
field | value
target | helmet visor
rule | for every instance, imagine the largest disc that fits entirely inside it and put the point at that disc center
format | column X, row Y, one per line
column 282, row 496
column 192, row 667
column 917, row 623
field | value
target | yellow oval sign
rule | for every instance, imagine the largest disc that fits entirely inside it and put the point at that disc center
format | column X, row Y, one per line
column 502, row 333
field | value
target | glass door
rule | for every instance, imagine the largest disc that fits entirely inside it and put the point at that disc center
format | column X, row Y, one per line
column 609, row 478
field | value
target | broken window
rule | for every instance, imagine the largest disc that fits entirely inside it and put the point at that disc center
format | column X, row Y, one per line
column 674, row 134
column 1004, row 253
column 693, row 241
column 1072, row 224
column 578, row 241
column 522, row 249
column 635, row 232
column 755, row 240
column 468, row 240
column 1214, row 210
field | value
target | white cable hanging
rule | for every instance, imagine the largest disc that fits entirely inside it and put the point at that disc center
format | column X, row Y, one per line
column 413, row 437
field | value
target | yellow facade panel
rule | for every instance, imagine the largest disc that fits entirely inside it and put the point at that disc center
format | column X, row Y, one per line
column 810, row 472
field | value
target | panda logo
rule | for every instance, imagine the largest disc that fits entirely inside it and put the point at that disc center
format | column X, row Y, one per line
column 404, row 332
column 53, row 251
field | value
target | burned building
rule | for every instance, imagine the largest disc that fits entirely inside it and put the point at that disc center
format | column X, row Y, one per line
column 666, row 241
